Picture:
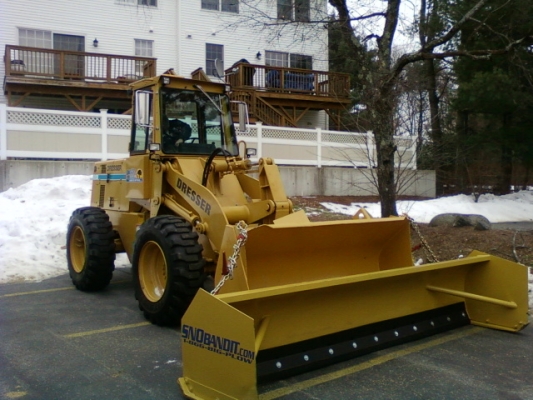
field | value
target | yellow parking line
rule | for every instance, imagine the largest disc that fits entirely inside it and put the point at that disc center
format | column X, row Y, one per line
column 36, row 292
column 274, row 394
column 105, row 330
column 47, row 290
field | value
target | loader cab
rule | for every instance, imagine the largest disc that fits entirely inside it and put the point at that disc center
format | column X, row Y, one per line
column 182, row 117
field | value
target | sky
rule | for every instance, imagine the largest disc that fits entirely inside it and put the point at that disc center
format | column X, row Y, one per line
column 34, row 219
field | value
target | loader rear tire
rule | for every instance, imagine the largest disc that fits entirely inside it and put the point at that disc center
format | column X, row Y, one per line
column 90, row 249
column 168, row 268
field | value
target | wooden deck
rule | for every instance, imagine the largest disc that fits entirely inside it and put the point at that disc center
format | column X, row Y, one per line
column 282, row 96
column 83, row 78
column 276, row 96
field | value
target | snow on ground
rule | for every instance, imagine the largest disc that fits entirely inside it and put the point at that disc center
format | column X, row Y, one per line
column 34, row 218
column 33, row 226
column 509, row 208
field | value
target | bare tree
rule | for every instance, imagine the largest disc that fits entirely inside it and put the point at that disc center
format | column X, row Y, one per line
column 382, row 74
column 359, row 150
column 370, row 36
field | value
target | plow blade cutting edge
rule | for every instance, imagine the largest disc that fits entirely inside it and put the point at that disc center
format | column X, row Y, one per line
column 309, row 294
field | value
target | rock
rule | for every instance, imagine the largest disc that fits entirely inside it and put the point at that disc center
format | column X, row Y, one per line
column 443, row 220
column 461, row 220
column 479, row 222
column 482, row 225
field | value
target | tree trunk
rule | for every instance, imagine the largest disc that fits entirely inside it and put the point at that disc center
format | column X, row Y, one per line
column 386, row 179
column 460, row 178
column 381, row 118
column 436, row 130
column 503, row 185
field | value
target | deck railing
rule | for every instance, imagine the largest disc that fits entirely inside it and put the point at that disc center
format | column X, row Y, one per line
column 288, row 80
column 76, row 65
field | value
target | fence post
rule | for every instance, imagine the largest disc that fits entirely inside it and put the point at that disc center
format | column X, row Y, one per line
column 319, row 147
column 259, row 127
column 3, row 132
column 371, row 149
column 103, row 125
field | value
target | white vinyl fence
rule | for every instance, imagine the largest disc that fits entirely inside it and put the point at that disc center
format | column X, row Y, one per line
column 66, row 135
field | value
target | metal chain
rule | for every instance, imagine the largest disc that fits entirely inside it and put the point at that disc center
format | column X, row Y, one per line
column 431, row 255
column 232, row 261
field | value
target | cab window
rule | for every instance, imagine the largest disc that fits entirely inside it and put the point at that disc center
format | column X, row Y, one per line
column 191, row 122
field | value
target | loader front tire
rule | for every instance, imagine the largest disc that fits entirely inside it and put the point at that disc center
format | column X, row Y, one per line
column 168, row 268
column 90, row 249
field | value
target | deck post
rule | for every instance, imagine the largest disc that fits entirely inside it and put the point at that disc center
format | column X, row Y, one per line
column 3, row 132
column 103, row 126
column 319, row 147
column 259, row 127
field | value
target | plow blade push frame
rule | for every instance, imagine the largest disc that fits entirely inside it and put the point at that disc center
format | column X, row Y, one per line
column 231, row 341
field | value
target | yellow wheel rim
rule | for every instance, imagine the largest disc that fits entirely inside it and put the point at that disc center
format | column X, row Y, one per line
column 152, row 271
column 77, row 249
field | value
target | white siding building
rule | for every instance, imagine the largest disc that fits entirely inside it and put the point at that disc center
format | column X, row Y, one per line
column 179, row 34
column 68, row 64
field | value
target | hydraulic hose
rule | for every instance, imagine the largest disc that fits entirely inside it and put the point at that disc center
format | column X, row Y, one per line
column 215, row 152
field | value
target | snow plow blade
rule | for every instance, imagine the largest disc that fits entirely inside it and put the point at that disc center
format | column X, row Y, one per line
column 305, row 295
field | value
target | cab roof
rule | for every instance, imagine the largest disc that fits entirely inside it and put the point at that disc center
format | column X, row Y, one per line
column 179, row 82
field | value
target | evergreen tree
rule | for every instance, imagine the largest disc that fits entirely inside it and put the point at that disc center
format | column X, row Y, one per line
column 495, row 97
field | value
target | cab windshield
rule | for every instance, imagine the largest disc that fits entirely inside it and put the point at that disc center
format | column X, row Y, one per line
column 195, row 123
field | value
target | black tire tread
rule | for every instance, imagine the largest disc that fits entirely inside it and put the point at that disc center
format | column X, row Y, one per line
column 185, row 262
column 100, row 249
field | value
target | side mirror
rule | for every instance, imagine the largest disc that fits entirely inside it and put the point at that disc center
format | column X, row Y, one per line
column 219, row 69
column 143, row 101
column 244, row 120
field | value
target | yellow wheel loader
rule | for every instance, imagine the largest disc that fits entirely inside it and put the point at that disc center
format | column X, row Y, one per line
column 259, row 290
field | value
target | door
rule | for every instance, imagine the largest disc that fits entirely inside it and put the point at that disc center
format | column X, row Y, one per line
column 74, row 64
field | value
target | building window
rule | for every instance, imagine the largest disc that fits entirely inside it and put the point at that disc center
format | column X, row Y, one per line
column 35, row 38
column 69, row 42
column 71, row 65
column 280, row 59
column 49, row 40
column 296, row 10
column 213, row 52
column 152, row 3
column 301, row 10
column 276, row 59
column 210, row 4
column 285, row 9
column 224, row 5
column 301, row 61
column 143, row 48
column 230, row 6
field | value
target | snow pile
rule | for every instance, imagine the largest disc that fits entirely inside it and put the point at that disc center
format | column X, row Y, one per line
column 33, row 226
column 509, row 208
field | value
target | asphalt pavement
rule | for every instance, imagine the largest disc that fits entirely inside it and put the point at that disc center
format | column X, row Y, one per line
column 60, row 343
